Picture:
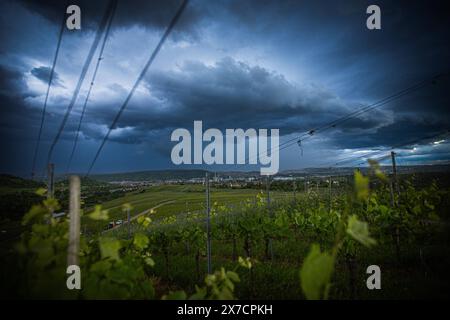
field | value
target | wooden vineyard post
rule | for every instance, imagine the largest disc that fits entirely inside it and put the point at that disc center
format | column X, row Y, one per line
column 394, row 187
column 74, row 223
column 187, row 249
column 294, row 187
column 391, row 188
column 50, row 180
column 394, row 172
column 329, row 189
column 208, row 224
column 129, row 222
column 270, row 242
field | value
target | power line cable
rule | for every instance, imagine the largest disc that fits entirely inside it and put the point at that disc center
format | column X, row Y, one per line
column 50, row 79
column 377, row 104
column 92, row 50
column 100, row 58
column 400, row 155
column 138, row 80
column 353, row 114
column 363, row 110
column 400, row 145
column 374, row 154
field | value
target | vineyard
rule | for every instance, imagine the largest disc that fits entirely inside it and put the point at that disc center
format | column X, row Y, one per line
column 314, row 244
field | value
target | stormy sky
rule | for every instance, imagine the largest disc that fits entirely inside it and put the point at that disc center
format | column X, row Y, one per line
column 291, row 65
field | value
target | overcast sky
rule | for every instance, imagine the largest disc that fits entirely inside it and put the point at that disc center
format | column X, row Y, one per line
column 292, row 65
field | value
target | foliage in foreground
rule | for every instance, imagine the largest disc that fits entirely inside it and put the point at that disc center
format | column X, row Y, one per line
column 121, row 268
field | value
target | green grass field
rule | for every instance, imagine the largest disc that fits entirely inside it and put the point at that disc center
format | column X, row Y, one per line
column 181, row 199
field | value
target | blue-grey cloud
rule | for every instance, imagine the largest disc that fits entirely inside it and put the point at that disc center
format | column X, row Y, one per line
column 228, row 94
column 147, row 14
column 43, row 74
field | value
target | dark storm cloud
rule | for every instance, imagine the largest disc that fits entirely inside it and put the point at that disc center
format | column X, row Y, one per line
column 11, row 81
column 232, row 94
column 331, row 35
column 228, row 94
column 43, row 74
column 400, row 133
column 16, row 117
column 144, row 13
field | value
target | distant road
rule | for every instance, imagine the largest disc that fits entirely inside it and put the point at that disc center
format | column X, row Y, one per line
column 118, row 206
column 141, row 213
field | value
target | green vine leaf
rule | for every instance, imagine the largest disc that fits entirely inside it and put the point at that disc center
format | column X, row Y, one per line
column 144, row 221
column 376, row 169
column 360, row 231
column 246, row 263
column 109, row 248
column 99, row 214
column 41, row 192
column 361, row 186
column 35, row 214
column 140, row 241
column 315, row 273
